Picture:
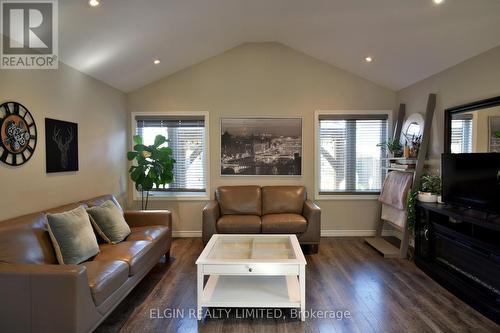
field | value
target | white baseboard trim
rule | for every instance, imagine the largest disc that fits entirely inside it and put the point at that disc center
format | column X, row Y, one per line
column 186, row 234
column 324, row 233
column 347, row 233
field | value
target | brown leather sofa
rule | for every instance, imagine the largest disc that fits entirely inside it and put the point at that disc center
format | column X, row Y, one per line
column 268, row 210
column 39, row 295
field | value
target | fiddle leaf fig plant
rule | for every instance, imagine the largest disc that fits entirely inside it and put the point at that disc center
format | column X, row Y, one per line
column 153, row 166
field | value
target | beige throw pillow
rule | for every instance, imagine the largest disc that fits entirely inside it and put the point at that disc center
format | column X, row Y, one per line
column 72, row 236
column 109, row 223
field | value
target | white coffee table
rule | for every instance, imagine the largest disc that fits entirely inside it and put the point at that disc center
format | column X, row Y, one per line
column 252, row 271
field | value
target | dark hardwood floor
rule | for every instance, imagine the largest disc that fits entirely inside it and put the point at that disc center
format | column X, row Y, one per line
column 381, row 295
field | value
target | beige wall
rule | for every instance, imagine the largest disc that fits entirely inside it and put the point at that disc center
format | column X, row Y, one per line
column 99, row 110
column 475, row 79
column 265, row 79
column 255, row 79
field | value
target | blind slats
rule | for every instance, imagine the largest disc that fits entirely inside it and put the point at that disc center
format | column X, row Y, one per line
column 350, row 161
column 375, row 117
column 461, row 134
column 186, row 135
column 169, row 121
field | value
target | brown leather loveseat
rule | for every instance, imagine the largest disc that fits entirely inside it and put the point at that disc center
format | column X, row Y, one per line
column 39, row 295
column 267, row 210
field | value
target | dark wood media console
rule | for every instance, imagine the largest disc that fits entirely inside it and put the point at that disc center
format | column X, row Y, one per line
column 460, row 249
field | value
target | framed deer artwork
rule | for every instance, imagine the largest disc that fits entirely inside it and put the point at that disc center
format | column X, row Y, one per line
column 61, row 145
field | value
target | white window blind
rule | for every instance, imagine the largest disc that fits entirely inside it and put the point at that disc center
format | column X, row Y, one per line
column 187, row 140
column 461, row 134
column 350, row 161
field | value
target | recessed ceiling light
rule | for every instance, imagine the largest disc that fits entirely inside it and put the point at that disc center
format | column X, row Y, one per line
column 368, row 59
column 438, row 2
column 94, row 3
column 156, row 61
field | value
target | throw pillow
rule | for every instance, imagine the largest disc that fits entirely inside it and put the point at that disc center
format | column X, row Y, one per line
column 109, row 223
column 72, row 236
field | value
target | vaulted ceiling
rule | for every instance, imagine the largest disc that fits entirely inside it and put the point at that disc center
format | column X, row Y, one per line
column 408, row 40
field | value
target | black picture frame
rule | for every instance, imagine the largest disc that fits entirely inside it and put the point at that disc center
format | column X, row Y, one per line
column 61, row 146
column 266, row 146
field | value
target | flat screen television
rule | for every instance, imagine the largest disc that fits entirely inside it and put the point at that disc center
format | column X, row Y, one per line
column 472, row 180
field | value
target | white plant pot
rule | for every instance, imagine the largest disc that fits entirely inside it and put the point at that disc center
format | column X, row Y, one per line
column 427, row 197
column 440, row 199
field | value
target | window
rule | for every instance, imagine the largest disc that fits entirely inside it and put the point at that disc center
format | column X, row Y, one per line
column 188, row 137
column 349, row 161
column 461, row 133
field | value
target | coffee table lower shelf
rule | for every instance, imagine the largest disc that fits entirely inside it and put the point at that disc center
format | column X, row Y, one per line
column 251, row 292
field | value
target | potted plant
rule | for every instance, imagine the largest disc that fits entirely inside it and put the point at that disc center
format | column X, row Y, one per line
column 412, row 212
column 153, row 166
column 393, row 146
column 430, row 188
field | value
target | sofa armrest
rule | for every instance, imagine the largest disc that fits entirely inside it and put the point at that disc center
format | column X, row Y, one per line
column 211, row 213
column 45, row 298
column 142, row 218
column 312, row 213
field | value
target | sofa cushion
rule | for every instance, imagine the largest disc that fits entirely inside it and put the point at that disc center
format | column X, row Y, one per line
column 245, row 200
column 134, row 253
column 105, row 277
column 239, row 224
column 72, row 236
column 148, row 233
column 283, row 224
column 283, row 199
column 108, row 221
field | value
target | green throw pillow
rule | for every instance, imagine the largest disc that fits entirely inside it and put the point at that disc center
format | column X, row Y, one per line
column 72, row 236
column 109, row 223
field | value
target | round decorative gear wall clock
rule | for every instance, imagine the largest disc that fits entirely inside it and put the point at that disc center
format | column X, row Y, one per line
column 17, row 134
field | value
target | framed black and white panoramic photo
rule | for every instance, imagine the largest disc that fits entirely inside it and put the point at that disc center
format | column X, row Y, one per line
column 261, row 146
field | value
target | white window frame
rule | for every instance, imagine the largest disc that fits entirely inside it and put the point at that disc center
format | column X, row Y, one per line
column 177, row 196
column 317, row 163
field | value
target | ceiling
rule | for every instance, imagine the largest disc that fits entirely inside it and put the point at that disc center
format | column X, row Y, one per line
column 408, row 39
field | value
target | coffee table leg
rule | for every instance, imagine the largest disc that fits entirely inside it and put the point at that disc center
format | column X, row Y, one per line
column 200, row 291
column 302, row 284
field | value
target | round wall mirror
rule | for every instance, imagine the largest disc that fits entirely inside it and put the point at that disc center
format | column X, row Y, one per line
column 412, row 128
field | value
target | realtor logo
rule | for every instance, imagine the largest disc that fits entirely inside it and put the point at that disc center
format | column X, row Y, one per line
column 29, row 34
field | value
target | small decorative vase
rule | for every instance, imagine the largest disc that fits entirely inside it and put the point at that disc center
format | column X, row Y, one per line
column 414, row 152
column 406, row 151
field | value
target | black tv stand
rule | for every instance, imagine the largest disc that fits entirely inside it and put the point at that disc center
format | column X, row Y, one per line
column 459, row 247
column 474, row 212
